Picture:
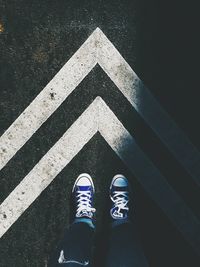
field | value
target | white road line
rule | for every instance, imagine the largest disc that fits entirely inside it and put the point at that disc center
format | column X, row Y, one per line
column 99, row 117
column 119, row 71
column 149, row 177
column 98, row 49
column 48, row 167
column 41, row 108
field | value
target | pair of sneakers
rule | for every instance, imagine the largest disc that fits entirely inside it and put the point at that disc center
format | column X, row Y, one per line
column 83, row 197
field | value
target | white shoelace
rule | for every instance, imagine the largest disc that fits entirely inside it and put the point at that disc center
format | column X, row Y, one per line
column 84, row 205
column 120, row 199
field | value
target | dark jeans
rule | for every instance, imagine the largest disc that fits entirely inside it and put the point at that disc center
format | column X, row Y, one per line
column 124, row 250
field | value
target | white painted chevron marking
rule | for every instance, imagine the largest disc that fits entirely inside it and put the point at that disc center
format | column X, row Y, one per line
column 99, row 118
column 97, row 49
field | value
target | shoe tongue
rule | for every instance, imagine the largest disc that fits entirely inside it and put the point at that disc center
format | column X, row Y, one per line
column 120, row 188
column 84, row 187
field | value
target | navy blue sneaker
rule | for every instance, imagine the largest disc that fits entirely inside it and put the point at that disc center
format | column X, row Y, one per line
column 83, row 194
column 119, row 195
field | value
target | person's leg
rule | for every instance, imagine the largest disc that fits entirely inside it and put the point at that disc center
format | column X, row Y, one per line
column 75, row 249
column 124, row 247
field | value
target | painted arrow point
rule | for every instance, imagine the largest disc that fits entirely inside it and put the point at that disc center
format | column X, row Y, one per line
column 98, row 49
column 99, row 117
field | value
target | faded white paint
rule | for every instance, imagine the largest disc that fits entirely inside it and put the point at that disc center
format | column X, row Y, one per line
column 99, row 117
column 97, row 49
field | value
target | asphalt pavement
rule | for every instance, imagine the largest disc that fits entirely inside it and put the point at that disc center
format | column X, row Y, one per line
column 159, row 43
